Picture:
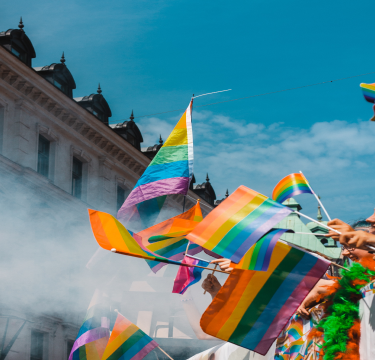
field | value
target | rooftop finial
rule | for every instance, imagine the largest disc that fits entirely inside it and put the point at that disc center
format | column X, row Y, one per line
column 62, row 60
column 160, row 140
column 207, row 178
column 132, row 116
column 99, row 91
column 20, row 25
column 227, row 194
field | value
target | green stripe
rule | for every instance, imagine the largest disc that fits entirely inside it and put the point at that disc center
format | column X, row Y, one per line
column 170, row 154
column 171, row 247
column 254, row 256
column 157, row 238
column 125, row 346
column 239, row 227
column 265, row 295
column 294, row 187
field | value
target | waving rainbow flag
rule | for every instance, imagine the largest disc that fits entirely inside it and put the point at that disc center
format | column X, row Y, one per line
column 171, row 169
column 368, row 91
column 128, row 342
column 233, row 227
column 259, row 256
column 93, row 335
column 252, row 307
column 187, row 276
column 290, row 186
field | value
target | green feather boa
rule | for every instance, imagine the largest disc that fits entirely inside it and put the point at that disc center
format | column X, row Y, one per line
column 343, row 310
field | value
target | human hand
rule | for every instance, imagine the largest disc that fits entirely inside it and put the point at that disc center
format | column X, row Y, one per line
column 302, row 311
column 211, row 285
column 338, row 225
column 357, row 239
column 225, row 264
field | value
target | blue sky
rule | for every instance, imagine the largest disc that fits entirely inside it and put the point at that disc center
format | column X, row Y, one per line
column 151, row 56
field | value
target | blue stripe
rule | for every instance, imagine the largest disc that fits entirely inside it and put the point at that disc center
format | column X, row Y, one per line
column 136, row 348
column 164, row 171
column 262, row 251
column 278, row 300
column 197, row 274
column 291, row 193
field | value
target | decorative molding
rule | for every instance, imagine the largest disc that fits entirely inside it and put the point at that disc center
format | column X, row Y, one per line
column 79, row 154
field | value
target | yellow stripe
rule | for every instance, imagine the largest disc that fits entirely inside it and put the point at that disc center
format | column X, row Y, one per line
column 120, row 339
column 162, row 244
column 252, row 289
column 177, row 137
column 91, row 352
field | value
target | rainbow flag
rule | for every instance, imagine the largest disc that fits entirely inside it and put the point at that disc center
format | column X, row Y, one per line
column 252, row 307
column 259, row 256
column 93, row 335
column 111, row 234
column 168, row 239
column 171, row 169
column 187, row 276
column 128, row 342
column 289, row 186
column 233, row 227
column 368, row 91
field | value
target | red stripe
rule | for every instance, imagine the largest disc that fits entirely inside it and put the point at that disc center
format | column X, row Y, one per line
column 291, row 306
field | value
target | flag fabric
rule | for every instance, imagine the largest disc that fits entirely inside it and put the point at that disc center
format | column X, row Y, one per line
column 187, row 276
column 368, row 91
column 252, row 307
column 259, row 256
column 93, row 335
column 171, row 169
column 111, row 234
column 233, row 227
column 168, row 238
column 128, row 342
column 291, row 185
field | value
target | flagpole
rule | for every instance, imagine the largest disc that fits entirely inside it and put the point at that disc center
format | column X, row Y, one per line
column 317, row 197
column 164, row 352
column 165, row 261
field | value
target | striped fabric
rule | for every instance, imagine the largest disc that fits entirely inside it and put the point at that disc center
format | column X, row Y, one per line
column 253, row 307
column 289, row 186
column 93, row 335
column 187, row 276
column 259, row 256
column 233, row 227
column 368, row 91
column 168, row 239
column 171, row 169
column 128, row 342
column 111, row 234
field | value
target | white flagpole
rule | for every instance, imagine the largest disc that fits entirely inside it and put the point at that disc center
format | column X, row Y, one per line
column 317, row 197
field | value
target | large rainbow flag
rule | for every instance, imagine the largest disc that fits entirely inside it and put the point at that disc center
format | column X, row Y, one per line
column 93, row 335
column 171, row 169
column 253, row 307
column 128, row 342
column 187, row 276
column 111, row 234
column 168, row 238
column 291, row 185
column 259, row 256
column 232, row 228
column 368, row 91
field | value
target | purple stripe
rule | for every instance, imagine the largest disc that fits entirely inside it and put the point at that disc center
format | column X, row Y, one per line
column 178, row 185
column 271, row 245
column 258, row 233
column 87, row 337
column 288, row 195
column 148, row 348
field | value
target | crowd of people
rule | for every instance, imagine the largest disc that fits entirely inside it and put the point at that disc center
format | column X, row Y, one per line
column 356, row 240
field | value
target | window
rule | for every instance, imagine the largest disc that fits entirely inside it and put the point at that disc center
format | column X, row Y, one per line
column 120, row 196
column 60, row 86
column 43, row 156
column 69, row 347
column 36, row 351
column 77, row 178
column 19, row 53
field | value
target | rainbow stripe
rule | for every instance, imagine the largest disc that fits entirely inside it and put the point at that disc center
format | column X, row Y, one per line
column 259, row 256
column 253, row 307
column 289, row 186
column 171, row 169
column 233, row 227
column 368, row 91
column 187, row 276
column 167, row 238
column 93, row 335
column 128, row 342
column 110, row 233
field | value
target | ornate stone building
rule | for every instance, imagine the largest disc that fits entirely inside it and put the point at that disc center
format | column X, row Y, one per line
column 58, row 157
